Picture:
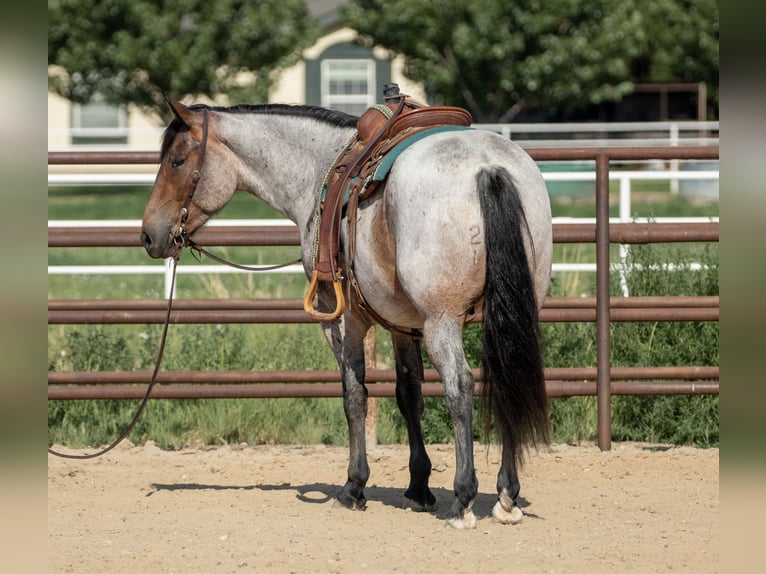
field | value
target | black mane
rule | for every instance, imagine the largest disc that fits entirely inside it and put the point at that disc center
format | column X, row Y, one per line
column 332, row 117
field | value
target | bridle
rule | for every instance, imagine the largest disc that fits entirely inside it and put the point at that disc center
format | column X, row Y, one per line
column 179, row 240
column 179, row 235
column 179, row 231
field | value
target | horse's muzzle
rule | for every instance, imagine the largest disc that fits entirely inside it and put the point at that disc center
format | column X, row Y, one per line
column 158, row 249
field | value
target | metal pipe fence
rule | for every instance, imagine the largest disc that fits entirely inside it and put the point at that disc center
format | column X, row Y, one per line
column 603, row 381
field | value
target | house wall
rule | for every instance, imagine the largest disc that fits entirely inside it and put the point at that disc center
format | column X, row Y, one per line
column 143, row 133
column 59, row 121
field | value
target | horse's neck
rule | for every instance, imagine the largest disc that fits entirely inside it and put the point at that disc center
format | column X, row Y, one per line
column 285, row 159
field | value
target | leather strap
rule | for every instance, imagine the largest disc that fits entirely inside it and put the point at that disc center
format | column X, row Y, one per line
column 354, row 170
column 179, row 234
column 327, row 267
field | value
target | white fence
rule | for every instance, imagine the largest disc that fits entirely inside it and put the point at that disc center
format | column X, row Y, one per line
column 694, row 133
column 542, row 134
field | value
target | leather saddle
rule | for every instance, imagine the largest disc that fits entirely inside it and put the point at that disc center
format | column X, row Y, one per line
column 380, row 129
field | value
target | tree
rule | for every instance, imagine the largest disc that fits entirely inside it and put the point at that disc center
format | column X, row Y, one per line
column 682, row 45
column 137, row 51
column 497, row 57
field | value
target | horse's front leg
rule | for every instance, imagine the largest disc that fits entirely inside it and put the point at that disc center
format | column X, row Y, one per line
column 346, row 339
column 409, row 398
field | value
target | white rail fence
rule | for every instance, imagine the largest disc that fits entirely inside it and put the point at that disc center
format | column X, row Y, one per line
column 539, row 134
column 608, row 134
column 625, row 179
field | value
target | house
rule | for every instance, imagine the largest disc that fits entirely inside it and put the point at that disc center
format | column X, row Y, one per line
column 335, row 72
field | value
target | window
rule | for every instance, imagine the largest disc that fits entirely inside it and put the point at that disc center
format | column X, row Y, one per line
column 99, row 123
column 348, row 85
column 346, row 77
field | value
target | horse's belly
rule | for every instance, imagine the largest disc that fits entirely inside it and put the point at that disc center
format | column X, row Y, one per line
column 389, row 301
column 376, row 272
column 382, row 290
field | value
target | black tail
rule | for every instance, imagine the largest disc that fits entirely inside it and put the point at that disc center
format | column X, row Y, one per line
column 515, row 402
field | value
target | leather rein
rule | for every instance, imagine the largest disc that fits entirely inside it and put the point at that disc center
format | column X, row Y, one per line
column 180, row 240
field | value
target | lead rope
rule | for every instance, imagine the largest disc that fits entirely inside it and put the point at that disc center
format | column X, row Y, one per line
column 179, row 240
column 199, row 249
column 152, row 382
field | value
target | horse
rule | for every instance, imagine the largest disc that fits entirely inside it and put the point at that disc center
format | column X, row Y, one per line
column 461, row 227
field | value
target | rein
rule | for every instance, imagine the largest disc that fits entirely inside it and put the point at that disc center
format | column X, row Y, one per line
column 199, row 249
column 152, row 382
column 180, row 240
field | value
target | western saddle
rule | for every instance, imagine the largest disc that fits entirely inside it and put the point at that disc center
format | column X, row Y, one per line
column 383, row 128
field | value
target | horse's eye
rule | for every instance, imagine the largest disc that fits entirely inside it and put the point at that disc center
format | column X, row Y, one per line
column 177, row 161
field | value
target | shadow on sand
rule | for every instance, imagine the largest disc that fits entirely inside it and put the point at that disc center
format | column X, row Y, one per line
column 323, row 493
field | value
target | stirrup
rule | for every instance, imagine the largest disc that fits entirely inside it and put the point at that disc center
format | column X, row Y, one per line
column 308, row 300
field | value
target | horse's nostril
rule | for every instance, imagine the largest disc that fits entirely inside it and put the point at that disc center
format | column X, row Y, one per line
column 146, row 239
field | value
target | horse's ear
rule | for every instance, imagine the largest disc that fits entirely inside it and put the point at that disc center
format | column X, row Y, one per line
column 180, row 111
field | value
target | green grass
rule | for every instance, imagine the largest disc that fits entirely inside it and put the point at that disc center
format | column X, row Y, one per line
column 128, row 202
column 173, row 424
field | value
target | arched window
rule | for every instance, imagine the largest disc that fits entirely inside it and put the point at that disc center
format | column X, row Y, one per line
column 346, row 77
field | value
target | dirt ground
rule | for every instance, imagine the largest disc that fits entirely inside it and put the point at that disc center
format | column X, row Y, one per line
column 636, row 508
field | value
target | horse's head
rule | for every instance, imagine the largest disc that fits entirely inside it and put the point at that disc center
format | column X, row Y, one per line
column 192, row 183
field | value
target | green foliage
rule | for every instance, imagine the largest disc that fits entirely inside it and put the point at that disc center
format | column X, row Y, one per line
column 178, row 423
column 667, row 419
column 98, row 202
column 573, row 419
column 494, row 58
column 135, row 52
column 656, row 270
column 682, row 44
column 668, row 343
column 671, row 419
column 95, row 349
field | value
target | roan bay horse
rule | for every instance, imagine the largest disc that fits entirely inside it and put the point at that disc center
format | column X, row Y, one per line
column 463, row 225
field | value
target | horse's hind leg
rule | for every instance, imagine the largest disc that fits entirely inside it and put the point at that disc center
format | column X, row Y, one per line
column 409, row 398
column 506, row 510
column 443, row 338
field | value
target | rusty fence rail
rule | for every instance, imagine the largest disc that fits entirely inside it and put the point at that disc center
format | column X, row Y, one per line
column 603, row 381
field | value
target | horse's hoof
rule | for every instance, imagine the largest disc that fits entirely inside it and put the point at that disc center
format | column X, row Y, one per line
column 503, row 516
column 466, row 522
column 419, row 500
column 352, row 504
column 417, row 506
